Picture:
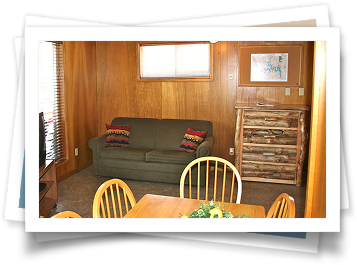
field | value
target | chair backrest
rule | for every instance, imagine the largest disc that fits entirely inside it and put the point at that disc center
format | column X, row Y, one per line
column 283, row 207
column 119, row 193
column 66, row 214
column 210, row 179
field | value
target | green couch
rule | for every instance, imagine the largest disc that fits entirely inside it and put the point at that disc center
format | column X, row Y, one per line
column 153, row 154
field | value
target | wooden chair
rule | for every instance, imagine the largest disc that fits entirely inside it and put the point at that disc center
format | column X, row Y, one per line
column 283, row 207
column 66, row 214
column 218, row 177
column 119, row 192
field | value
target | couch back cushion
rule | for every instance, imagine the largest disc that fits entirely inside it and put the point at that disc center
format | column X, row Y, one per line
column 142, row 132
column 170, row 132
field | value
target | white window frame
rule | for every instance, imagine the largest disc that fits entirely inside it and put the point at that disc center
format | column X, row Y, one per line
column 174, row 78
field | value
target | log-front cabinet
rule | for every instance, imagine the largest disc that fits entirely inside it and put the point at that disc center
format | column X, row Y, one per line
column 270, row 142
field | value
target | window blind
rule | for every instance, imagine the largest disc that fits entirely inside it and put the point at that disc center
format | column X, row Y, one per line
column 51, row 98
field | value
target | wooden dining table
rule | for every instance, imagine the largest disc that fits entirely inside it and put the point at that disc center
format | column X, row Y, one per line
column 158, row 206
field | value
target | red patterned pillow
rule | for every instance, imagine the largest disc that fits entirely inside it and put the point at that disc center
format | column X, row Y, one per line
column 192, row 140
column 118, row 135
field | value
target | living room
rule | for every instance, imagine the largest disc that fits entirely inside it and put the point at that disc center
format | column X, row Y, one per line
column 101, row 82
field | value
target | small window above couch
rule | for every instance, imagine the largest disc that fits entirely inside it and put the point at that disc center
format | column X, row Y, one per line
column 182, row 61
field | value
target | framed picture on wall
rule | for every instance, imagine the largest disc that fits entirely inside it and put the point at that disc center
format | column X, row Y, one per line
column 270, row 65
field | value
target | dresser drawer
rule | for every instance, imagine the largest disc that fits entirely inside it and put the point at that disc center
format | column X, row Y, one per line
column 272, row 113
column 268, row 175
column 268, row 171
column 269, row 154
column 270, row 136
column 283, row 119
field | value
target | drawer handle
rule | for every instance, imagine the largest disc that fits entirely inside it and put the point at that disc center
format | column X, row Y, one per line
column 270, row 136
column 271, row 119
column 268, row 154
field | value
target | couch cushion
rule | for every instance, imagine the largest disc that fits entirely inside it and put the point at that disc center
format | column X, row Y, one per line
column 142, row 131
column 169, row 156
column 124, row 153
column 170, row 132
column 192, row 140
column 117, row 135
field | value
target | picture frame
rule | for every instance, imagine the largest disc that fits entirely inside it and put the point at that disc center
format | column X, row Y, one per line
column 270, row 66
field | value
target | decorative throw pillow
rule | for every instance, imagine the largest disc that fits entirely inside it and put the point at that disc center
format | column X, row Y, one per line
column 192, row 140
column 118, row 135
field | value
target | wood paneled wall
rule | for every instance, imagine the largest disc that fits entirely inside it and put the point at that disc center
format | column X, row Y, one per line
column 101, row 84
column 121, row 94
column 81, row 105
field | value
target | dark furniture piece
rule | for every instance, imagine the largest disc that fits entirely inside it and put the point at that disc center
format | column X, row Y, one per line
column 48, row 195
column 153, row 154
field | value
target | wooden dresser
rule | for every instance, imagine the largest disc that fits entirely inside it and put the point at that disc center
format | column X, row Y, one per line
column 270, row 142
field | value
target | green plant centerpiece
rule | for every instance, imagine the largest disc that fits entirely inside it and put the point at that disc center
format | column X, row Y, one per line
column 211, row 210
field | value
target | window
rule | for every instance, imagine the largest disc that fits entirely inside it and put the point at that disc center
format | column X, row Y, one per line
column 192, row 60
column 51, row 98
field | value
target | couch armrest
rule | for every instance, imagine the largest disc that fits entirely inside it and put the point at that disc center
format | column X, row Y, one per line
column 98, row 143
column 206, row 147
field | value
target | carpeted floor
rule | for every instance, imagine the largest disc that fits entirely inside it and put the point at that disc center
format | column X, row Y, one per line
column 76, row 193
